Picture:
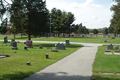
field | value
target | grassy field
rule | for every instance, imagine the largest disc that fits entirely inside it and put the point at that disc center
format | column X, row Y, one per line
column 15, row 68
column 106, row 64
column 72, row 39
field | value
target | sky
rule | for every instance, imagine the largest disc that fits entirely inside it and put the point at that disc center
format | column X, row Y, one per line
column 93, row 14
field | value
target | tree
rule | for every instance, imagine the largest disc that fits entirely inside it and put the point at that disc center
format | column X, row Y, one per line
column 105, row 30
column 70, row 19
column 110, row 29
column 95, row 31
column 116, row 18
column 4, row 25
column 29, row 16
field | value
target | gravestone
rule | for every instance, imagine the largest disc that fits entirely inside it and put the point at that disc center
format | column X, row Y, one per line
column 60, row 46
column 105, row 40
column 12, row 41
column 24, row 42
column 116, row 52
column 5, row 40
column 116, row 47
column 14, row 45
column 67, row 42
column 107, row 52
column 29, row 44
column 110, row 46
column 40, row 47
column 113, row 37
column 25, row 48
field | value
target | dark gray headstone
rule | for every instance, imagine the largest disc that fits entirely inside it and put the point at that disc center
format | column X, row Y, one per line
column 25, row 48
column 60, row 46
column 105, row 40
column 5, row 40
column 110, row 46
column 67, row 42
column 12, row 41
column 14, row 45
column 113, row 37
column 29, row 44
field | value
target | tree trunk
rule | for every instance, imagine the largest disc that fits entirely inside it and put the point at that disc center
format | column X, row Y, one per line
column 69, row 34
column 58, row 35
column 29, row 37
column 14, row 36
column 21, row 35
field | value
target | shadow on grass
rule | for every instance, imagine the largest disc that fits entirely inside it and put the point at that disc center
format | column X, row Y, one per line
column 57, row 76
column 73, row 37
column 22, row 38
column 45, row 45
column 16, row 76
column 102, row 78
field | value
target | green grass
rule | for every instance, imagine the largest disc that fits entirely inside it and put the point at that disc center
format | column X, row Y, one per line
column 106, row 63
column 15, row 68
column 72, row 39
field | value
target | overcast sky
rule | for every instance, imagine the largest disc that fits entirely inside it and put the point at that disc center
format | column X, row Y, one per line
column 91, row 13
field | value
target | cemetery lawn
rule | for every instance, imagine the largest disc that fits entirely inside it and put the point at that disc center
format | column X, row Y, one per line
column 106, row 64
column 62, row 39
column 15, row 68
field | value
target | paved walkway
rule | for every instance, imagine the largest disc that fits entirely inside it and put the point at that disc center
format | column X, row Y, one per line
column 77, row 66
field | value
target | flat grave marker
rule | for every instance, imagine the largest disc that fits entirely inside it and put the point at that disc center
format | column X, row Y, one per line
column 108, row 52
column 116, row 52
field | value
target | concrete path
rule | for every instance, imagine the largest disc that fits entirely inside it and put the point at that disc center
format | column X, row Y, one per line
column 77, row 66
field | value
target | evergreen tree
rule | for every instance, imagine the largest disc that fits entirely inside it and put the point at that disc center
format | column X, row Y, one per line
column 95, row 31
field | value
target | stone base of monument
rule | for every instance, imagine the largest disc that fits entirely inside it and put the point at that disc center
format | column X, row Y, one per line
column 54, row 50
column 14, row 48
column 108, row 52
column 29, row 46
column 116, row 52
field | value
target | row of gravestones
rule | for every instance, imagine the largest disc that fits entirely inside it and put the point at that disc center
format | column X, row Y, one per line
column 110, row 39
column 29, row 44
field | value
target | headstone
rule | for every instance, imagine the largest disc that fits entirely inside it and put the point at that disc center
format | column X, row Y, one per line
column 14, row 45
column 67, row 42
column 110, row 46
column 25, row 48
column 116, row 47
column 5, row 40
column 113, row 37
column 117, row 52
column 49, row 48
column 24, row 42
column 54, row 50
column 105, row 40
column 29, row 44
column 12, row 41
column 60, row 46
column 40, row 47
